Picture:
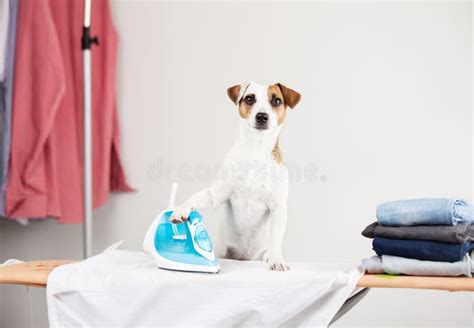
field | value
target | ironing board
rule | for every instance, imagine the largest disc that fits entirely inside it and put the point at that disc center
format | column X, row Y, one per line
column 35, row 273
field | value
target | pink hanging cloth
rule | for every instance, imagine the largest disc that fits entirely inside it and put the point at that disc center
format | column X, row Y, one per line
column 45, row 171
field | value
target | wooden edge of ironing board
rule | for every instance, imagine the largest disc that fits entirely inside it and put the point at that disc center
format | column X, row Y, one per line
column 451, row 284
column 35, row 273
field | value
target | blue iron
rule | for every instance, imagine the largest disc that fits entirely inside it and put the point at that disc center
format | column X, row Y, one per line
column 181, row 247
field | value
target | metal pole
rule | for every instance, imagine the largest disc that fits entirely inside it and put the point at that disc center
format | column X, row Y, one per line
column 87, row 206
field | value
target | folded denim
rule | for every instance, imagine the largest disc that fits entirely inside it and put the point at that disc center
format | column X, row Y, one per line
column 425, row 211
column 400, row 265
column 421, row 249
column 457, row 234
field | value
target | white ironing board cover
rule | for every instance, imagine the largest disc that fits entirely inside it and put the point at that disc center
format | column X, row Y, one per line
column 125, row 289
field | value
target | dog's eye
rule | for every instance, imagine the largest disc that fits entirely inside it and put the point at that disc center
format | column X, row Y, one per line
column 276, row 102
column 249, row 99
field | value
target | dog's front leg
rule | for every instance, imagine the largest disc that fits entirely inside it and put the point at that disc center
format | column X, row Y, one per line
column 209, row 198
column 278, row 216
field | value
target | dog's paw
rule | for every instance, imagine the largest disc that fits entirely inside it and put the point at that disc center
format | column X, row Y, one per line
column 277, row 265
column 180, row 214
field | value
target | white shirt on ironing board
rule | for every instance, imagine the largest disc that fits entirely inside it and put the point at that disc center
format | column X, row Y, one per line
column 123, row 288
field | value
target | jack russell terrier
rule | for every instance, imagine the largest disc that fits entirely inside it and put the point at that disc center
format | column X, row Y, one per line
column 255, row 197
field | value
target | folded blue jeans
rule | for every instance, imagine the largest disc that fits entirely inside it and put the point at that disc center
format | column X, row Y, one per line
column 421, row 249
column 425, row 211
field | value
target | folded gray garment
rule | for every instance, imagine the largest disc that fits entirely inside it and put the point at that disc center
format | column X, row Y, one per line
column 457, row 234
column 401, row 265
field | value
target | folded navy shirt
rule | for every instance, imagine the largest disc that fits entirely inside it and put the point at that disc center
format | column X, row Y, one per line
column 421, row 249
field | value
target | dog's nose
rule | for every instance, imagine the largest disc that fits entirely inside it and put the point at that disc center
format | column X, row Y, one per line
column 261, row 118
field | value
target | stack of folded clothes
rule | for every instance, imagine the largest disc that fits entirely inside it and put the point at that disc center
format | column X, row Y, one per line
column 429, row 236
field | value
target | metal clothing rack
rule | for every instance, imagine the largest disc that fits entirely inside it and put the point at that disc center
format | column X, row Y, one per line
column 86, row 43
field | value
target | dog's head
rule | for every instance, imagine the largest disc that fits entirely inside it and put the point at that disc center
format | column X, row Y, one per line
column 263, row 107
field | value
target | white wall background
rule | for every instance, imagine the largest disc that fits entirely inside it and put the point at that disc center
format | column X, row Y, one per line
column 386, row 114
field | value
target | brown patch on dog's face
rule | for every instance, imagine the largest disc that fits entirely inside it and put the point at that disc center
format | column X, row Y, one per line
column 277, row 101
column 246, row 104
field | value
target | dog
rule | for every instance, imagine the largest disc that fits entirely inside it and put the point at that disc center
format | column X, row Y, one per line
column 255, row 197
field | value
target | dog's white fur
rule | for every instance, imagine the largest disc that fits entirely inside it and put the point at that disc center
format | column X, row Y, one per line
column 255, row 197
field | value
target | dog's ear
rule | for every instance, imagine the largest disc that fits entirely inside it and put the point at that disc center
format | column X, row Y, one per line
column 291, row 97
column 234, row 93
column 237, row 91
